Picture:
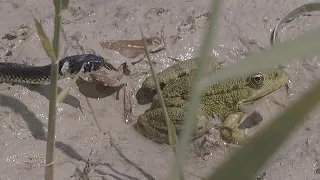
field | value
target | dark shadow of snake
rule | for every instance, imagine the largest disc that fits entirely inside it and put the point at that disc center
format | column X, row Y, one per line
column 35, row 125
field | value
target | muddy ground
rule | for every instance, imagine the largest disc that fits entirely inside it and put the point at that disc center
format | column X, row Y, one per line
column 90, row 122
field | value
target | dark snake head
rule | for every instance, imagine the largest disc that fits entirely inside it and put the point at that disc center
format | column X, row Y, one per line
column 85, row 62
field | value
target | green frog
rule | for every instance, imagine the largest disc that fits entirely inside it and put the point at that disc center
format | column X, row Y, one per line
column 224, row 100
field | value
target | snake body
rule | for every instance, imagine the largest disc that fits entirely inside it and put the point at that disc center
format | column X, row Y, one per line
column 68, row 67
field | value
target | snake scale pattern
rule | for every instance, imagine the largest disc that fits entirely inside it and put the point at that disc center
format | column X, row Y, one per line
column 68, row 67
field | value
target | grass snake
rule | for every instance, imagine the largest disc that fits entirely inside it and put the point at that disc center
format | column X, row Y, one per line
column 68, row 67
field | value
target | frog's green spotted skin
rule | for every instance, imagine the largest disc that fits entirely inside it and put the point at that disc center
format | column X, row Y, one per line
column 178, row 70
column 223, row 100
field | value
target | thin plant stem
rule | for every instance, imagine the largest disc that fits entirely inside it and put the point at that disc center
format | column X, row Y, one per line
column 172, row 134
column 171, row 129
column 49, row 170
column 195, row 92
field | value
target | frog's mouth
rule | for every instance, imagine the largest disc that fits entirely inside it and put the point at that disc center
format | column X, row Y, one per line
column 260, row 98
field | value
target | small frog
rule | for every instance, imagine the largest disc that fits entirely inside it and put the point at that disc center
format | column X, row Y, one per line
column 224, row 100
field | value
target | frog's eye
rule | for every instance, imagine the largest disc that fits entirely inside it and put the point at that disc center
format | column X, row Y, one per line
column 257, row 79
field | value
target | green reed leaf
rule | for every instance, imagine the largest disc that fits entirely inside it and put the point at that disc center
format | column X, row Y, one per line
column 188, row 125
column 246, row 163
column 305, row 45
column 65, row 90
column 61, row 4
column 45, row 41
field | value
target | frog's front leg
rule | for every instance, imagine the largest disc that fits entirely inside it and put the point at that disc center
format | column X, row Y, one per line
column 230, row 131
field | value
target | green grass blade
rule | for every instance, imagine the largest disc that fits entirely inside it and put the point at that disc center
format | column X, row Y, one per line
column 171, row 129
column 195, row 92
column 246, row 163
column 61, row 4
column 58, row 4
column 65, row 90
column 45, row 41
column 303, row 46
column 51, row 121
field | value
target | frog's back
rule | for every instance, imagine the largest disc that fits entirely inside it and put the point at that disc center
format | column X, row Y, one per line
column 179, row 70
column 225, row 95
column 182, row 86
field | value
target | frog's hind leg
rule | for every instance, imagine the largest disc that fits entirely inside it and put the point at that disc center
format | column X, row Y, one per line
column 151, row 133
column 152, row 123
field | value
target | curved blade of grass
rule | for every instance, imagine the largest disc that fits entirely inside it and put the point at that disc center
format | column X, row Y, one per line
column 65, row 90
column 171, row 129
column 45, row 41
column 297, row 11
column 188, row 125
column 303, row 46
column 265, row 143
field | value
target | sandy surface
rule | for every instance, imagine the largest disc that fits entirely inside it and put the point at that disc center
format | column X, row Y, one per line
column 94, row 128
